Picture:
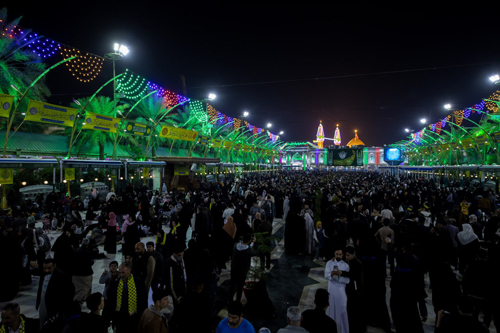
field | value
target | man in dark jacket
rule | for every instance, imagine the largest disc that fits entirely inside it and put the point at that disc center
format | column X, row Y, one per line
column 194, row 302
column 354, row 291
column 240, row 264
column 174, row 277
column 143, row 265
column 93, row 321
column 159, row 265
column 316, row 320
column 82, row 271
column 128, row 298
column 55, row 291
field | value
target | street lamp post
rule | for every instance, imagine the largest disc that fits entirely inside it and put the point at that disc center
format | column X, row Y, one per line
column 119, row 52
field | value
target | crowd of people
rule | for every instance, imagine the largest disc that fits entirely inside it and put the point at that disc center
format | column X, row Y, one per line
column 366, row 228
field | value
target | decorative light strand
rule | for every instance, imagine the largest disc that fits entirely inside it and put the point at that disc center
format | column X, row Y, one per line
column 459, row 117
column 491, row 106
column 84, row 68
column 170, row 98
column 237, row 123
column 467, row 113
column 131, row 85
column 159, row 90
column 43, row 47
column 438, row 127
column 13, row 32
column 213, row 114
column 196, row 109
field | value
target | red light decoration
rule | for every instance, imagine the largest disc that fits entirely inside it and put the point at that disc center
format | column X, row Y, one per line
column 170, row 98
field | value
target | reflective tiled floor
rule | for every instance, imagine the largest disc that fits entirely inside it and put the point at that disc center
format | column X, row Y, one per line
column 293, row 280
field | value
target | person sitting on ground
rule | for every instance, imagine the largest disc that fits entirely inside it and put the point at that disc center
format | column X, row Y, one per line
column 463, row 321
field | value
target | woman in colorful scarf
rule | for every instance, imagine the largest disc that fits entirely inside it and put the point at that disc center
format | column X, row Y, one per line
column 110, row 242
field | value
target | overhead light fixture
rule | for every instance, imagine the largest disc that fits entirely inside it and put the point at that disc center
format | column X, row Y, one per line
column 495, row 79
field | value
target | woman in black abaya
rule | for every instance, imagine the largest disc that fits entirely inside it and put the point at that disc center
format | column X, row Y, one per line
column 294, row 230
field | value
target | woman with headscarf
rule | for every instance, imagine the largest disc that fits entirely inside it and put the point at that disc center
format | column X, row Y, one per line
column 63, row 249
column 309, row 230
column 174, row 238
column 468, row 245
column 294, row 230
column 286, row 207
column 161, row 240
column 130, row 233
column 110, row 241
column 42, row 246
column 230, row 227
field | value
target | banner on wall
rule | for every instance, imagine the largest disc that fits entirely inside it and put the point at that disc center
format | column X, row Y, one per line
column 482, row 140
column 181, row 170
column 467, row 143
column 145, row 172
column 138, row 128
column 41, row 112
column 97, row 122
column 177, row 133
column 6, row 102
column 216, row 143
column 69, row 173
column 6, row 176
column 345, row 157
column 228, row 144
column 203, row 140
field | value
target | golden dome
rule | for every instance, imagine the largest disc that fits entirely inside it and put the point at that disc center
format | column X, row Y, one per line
column 356, row 141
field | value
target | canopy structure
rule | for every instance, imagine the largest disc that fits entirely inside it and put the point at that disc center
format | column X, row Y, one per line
column 28, row 163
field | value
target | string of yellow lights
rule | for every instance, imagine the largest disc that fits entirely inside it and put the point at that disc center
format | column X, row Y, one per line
column 85, row 67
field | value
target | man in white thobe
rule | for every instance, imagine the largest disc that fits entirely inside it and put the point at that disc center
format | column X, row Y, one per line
column 337, row 310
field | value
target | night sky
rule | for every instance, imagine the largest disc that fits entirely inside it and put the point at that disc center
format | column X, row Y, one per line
column 375, row 71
